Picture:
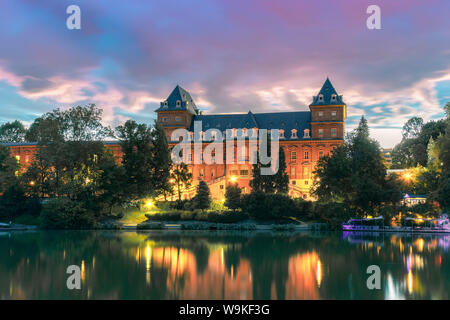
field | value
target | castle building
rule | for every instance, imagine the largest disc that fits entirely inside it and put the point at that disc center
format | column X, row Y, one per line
column 305, row 136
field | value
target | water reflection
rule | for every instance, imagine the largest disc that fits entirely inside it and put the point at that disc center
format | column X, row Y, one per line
column 214, row 265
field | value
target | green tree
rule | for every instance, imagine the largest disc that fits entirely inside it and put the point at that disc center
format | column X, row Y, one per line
column 136, row 141
column 233, row 196
column 12, row 132
column 355, row 173
column 412, row 128
column 8, row 167
column 182, row 177
column 162, row 162
column 202, row 199
column 276, row 183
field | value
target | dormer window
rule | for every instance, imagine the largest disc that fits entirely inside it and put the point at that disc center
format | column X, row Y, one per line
column 165, row 104
column 178, row 103
column 333, row 97
column 320, row 97
column 281, row 134
column 306, row 133
column 293, row 134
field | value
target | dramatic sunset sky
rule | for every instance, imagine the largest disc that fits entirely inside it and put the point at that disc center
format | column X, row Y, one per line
column 232, row 55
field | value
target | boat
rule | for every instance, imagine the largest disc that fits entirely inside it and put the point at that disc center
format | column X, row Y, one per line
column 5, row 225
column 364, row 224
column 412, row 225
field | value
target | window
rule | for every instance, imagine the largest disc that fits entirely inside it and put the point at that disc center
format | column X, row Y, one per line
column 320, row 133
column 164, row 119
column 244, row 172
column 177, row 119
column 293, row 172
column 293, row 155
column 306, row 133
column 178, row 103
column 201, row 172
column 320, row 97
column 281, row 134
column 320, row 113
column 333, row 132
column 320, row 154
column 333, row 97
column 333, row 113
column 221, row 186
column 306, row 154
column 293, row 134
column 212, row 173
column 306, row 182
column 234, row 172
column 294, row 182
column 305, row 172
column 165, row 104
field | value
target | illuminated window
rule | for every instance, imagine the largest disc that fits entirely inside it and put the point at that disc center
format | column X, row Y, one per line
column 244, row 172
column 333, row 113
column 305, row 172
column 320, row 113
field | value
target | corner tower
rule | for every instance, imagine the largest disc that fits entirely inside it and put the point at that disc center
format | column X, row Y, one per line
column 328, row 113
column 176, row 111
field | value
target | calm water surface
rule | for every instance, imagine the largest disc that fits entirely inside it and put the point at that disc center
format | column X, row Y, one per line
column 214, row 265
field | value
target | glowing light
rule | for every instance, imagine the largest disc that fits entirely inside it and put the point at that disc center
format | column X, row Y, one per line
column 83, row 271
column 223, row 200
column 172, row 180
column 410, row 282
column 32, row 183
column 233, row 179
column 319, row 273
column 149, row 203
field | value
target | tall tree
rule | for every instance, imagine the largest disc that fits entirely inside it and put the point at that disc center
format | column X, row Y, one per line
column 355, row 173
column 12, row 132
column 412, row 128
column 276, row 183
column 182, row 177
column 202, row 199
column 136, row 141
column 162, row 162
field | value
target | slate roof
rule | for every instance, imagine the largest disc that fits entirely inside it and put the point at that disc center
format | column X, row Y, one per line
column 287, row 121
column 185, row 99
column 327, row 91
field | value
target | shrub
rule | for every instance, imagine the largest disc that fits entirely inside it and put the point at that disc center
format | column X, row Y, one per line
column 334, row 213
column 150, row 226
column 226, row 217
column 233, row 196
column 63, row 213
column 14, row 203
column 269, row 206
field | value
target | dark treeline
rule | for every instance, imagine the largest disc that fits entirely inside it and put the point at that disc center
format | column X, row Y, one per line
column 73, row 168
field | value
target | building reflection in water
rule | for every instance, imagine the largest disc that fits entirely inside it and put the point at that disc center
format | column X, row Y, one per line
column 154, row 265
